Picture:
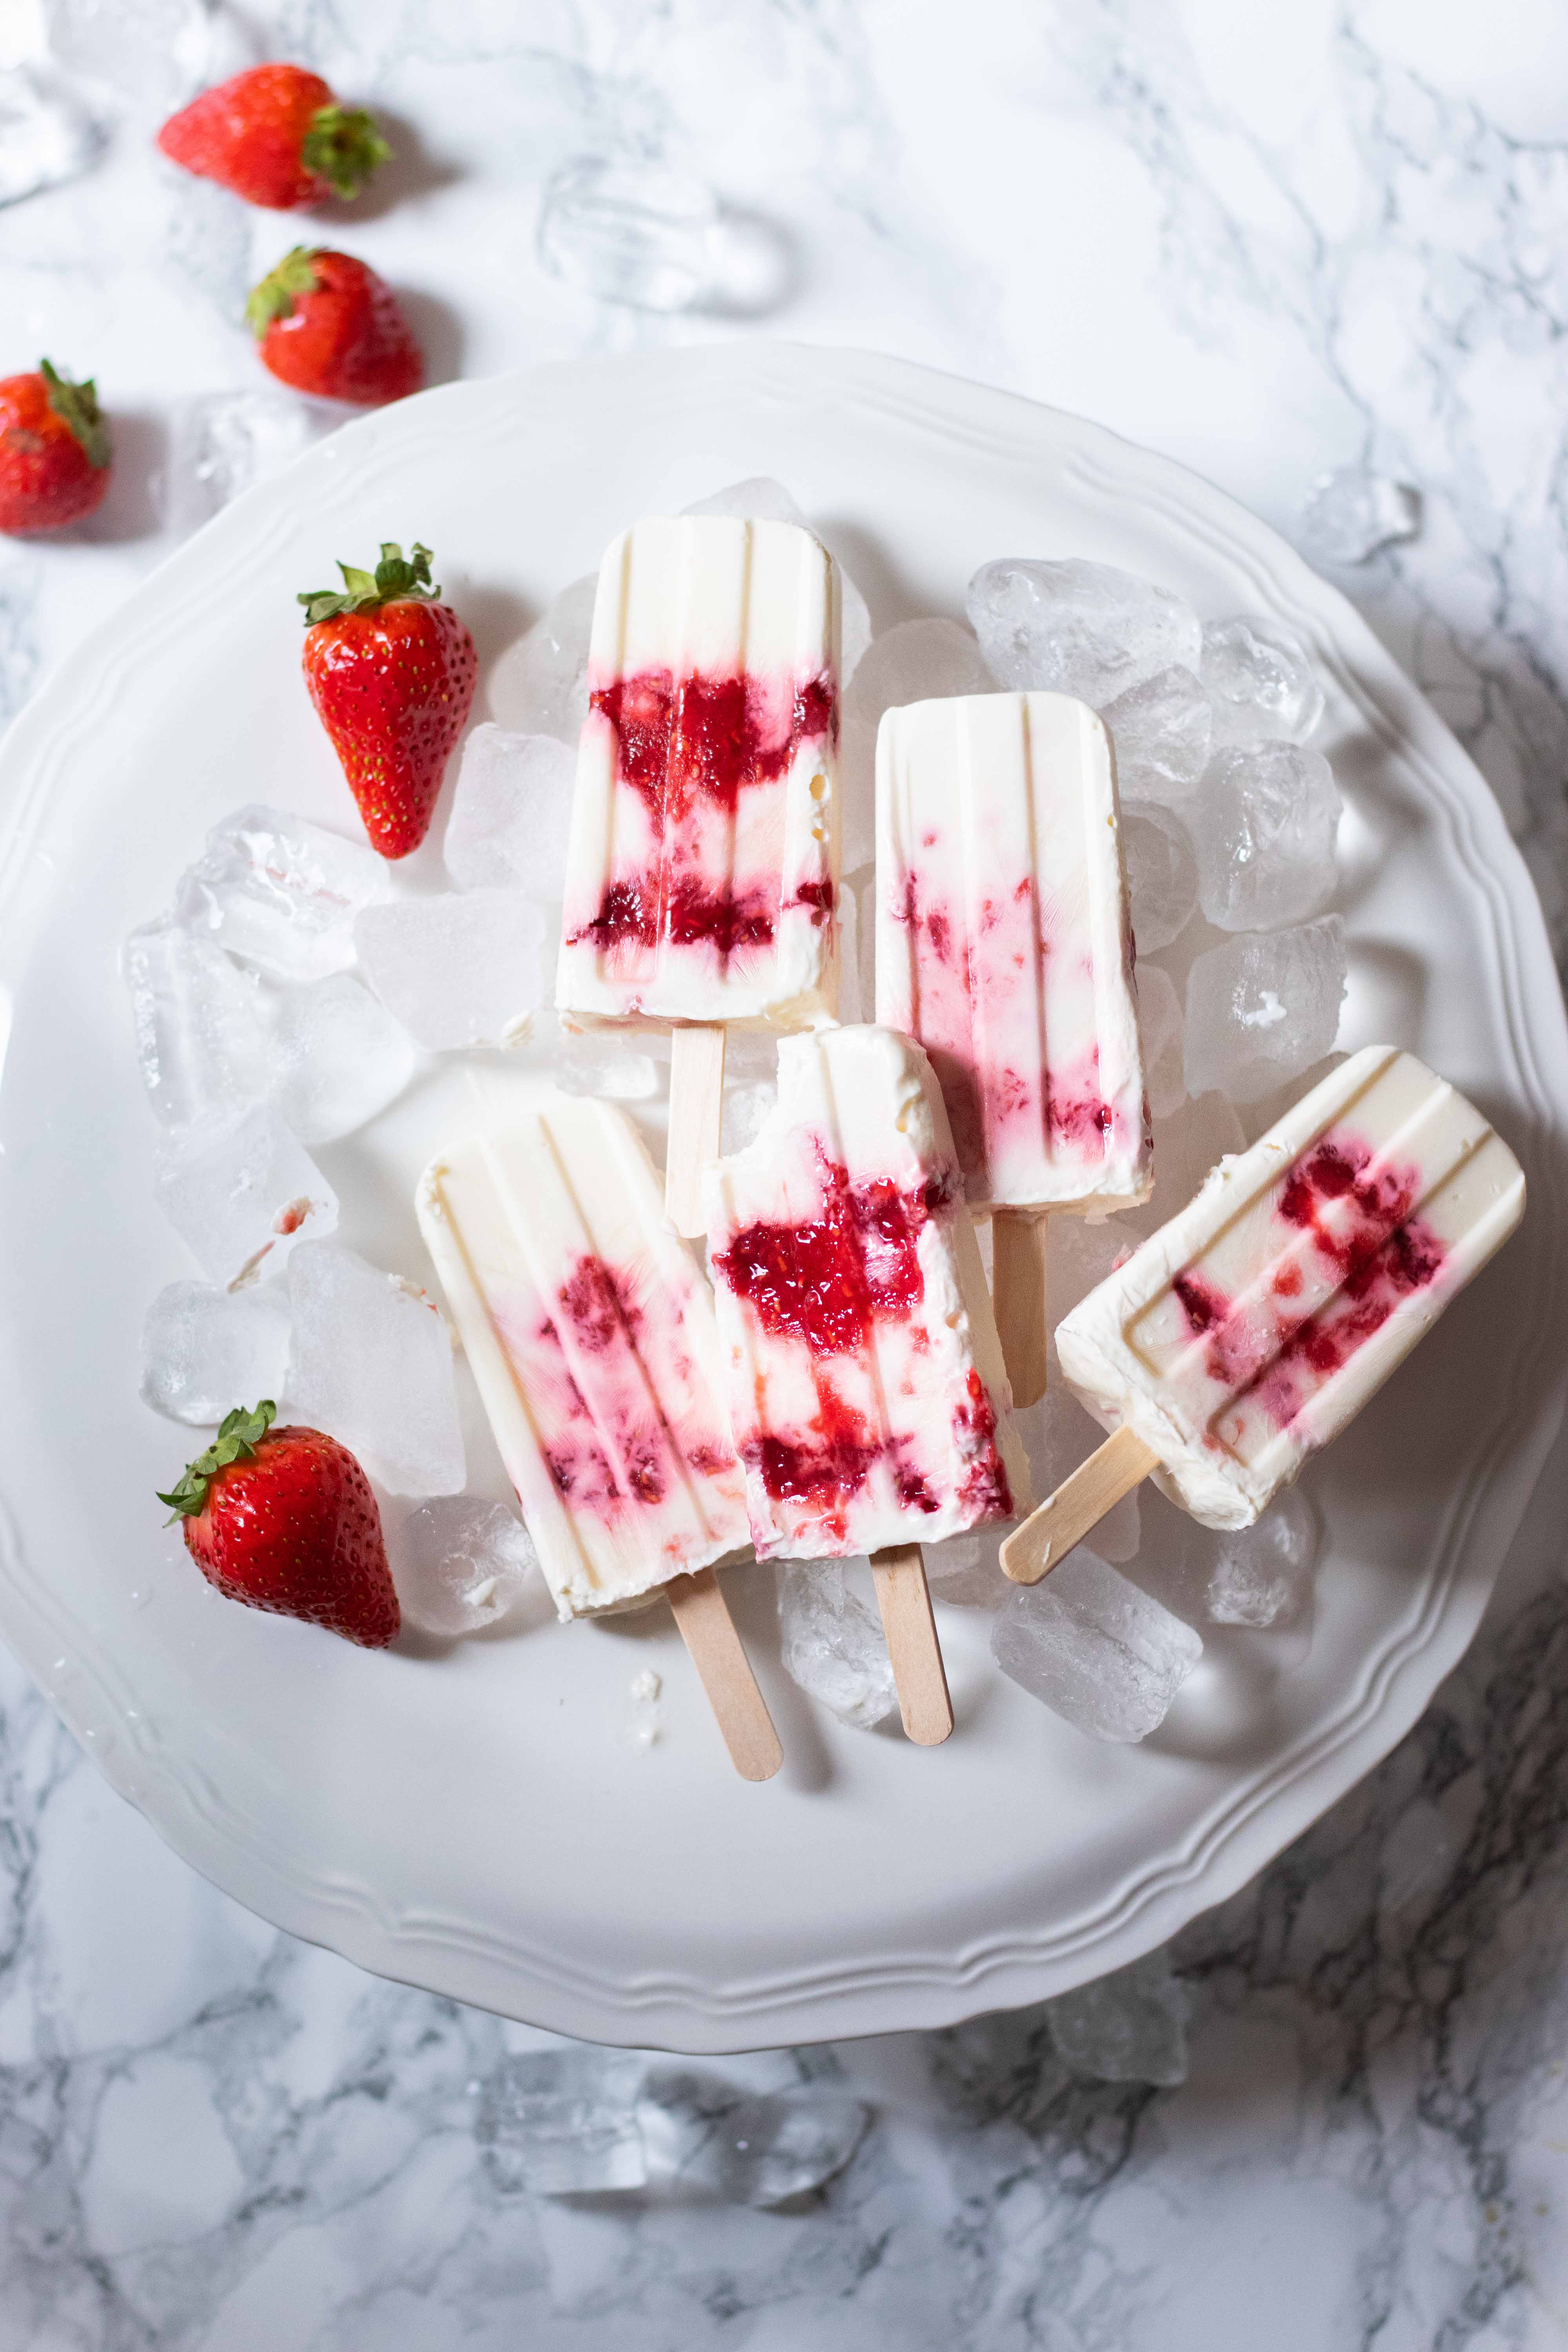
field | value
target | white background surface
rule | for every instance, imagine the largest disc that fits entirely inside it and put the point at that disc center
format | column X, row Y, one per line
column 1263, row 244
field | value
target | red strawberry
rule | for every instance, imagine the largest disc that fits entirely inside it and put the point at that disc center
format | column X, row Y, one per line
column 391, row 671
column 326, row 323
column 285, row 1519
column 54, row 450
column 276, row 136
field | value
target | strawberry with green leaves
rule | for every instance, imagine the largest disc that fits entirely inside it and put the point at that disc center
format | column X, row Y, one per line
column 326, row 324
column 284, row 1519
column 276, row 136
column 54, row 456
column 391, row 670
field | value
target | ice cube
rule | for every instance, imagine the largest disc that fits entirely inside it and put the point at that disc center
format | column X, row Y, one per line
column 204, row 1350
column 912, row 662
column 281, row 893
column 373, row 1367
column 1188, row 1142
column 1162, row 731
column 222, row 443
column 203, row 1029
column 1130, row 2027
column 1262, row 1575
column 832, row 1644
column 1078, row 628
column 965, row 1571
column 562, row 2123
column 1001, row 2066
column 342, row 1057
column 1059, row 1432
column 47, row 135
column 633, row 232
column 760, row 499
column 541, row 684
column 1100, row 1653
column 1262, row 682
column 1351, row 512
column 1079, row 1257
column 157, row 53
column 464, row 969
column 244, row 1200
column 1264, row 1007
column 616, row 1072
column 512, row 814
column 460, row 1564
column 208, row 239
column 1161, row 1023
column 1263, row 825
column 711, row 2139
column 18, row 638
column 747, row 1110
column 1161, row 873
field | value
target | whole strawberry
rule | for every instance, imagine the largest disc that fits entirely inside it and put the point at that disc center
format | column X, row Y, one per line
column 276, row 136
column 391, row 671
column 285, row 1519
column 327, row 324
column 54, row 456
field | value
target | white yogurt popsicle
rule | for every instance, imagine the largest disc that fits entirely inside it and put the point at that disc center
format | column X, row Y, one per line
column 703, row 865
column 1248, row 1331
column 590, row 1332
column 1004, row 945
column 866, row 1386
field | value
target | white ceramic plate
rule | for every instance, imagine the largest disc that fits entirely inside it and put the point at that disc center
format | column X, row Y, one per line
column 470, row 1820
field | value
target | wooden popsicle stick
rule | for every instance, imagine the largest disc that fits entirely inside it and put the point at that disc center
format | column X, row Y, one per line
column 696, row 1108
column 1077, row 1506
column 904, row 1598
column 1018, row 1296
column 708, row 1632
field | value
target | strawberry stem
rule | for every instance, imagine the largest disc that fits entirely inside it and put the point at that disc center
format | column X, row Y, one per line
column 343, row 146
column 275, row 297
column 239, row 1436
column 363, row 591
column 77, row 405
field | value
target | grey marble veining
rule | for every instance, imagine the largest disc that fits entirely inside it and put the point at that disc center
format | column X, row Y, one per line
column 1270, row 244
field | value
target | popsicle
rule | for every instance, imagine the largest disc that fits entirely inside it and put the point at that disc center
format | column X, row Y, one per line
column 703, row 869
column 590, row 1332
column 1004, row 946
column 1249, row 1331
column 866, row 1386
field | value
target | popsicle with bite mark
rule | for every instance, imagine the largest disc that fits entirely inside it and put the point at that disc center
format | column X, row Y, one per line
column 864, row 1375
column 1248, row 1331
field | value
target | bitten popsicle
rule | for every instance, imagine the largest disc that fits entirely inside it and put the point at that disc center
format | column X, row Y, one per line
column 866, row 1385
column 1004, row 946
column 702, row 870
column 1246, row 1332
column 590, row 1332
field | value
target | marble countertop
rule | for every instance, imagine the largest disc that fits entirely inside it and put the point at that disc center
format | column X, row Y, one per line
column 1270, row 243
